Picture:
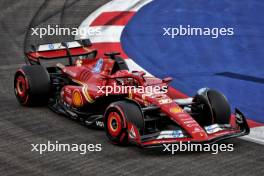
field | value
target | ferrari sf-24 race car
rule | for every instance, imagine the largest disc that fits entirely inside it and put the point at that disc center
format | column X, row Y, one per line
column 148, row 119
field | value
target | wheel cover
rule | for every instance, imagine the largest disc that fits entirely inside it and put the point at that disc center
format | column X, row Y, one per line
column 114, row 124
column 21, row 89
column 21, row 86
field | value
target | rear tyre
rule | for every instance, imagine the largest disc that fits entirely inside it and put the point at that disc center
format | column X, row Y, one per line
column 32, row 85
column 215, row 107
column 115, row 121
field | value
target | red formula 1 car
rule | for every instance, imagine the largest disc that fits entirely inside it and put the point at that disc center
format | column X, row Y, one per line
column 91, row 88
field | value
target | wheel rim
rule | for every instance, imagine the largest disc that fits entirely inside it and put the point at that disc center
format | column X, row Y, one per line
column 114, row 124
column 21, row 88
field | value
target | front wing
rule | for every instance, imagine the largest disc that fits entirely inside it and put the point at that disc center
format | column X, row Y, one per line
column 240, row 128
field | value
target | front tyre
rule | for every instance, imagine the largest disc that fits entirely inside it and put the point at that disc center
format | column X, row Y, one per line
column 215, row 107
column 115, row 121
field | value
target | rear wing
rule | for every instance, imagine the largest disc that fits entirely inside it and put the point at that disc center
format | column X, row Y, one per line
column 56, row 46
column 59, row 50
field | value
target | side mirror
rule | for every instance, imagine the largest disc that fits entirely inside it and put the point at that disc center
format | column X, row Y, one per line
column 33, row 48
column 112, row 55
column 140, row 73
column 167, row 80
column 86, row 42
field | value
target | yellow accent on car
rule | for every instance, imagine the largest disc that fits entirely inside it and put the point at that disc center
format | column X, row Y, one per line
column 85, row 91
column 86, row 94
column 77, row 98
column 176, row 110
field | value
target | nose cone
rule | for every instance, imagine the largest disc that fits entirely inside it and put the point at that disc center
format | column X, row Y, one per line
column 185, row 121
column 199, row 135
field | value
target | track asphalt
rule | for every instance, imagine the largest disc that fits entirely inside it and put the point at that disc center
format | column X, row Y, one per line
column 21, row 126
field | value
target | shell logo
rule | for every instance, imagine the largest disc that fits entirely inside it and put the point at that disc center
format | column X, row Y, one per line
column 176, row 110
column 77, row 98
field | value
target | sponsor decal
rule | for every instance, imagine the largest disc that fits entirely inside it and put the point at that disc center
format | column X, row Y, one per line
column 189, row 121
column 216, row 128
column 130, row 95
column 192, row 125
column 197, row 130
column 132, row 133
column 77, row 98
column 184, row 116
column 51, row 46
column 98, row 66
column 79, row 63
column 176, row 110
column 99, row 124
column 165, row 101
column 171, row 134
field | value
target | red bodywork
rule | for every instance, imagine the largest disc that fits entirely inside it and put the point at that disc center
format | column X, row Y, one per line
column 86, row 91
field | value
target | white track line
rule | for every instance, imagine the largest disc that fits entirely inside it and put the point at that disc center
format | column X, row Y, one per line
column 256, row 135
column 115, row 5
